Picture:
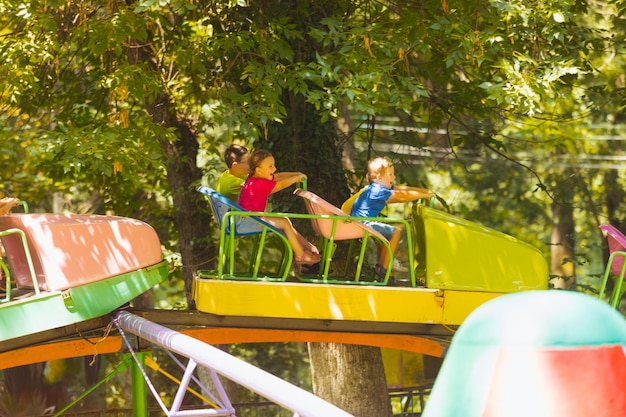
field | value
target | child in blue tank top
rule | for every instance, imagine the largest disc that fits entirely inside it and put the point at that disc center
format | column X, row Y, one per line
column 373, row 198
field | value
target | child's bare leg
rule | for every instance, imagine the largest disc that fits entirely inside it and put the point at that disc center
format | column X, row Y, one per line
column 383, row 256
column 285, row 225
column 306, row 245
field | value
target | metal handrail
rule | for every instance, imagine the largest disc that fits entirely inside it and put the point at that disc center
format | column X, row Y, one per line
column 29, row 259
column 405, row 223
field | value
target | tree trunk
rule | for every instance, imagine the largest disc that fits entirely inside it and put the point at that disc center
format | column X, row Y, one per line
column 615, row 196
column 190, row 209
column 563, row 266
column 191, row 217
column 346, row 129
column 351, row 377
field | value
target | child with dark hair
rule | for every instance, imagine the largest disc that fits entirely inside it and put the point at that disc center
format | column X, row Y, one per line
column 230, row 182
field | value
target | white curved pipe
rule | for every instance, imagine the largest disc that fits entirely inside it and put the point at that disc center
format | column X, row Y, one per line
column 293, row 398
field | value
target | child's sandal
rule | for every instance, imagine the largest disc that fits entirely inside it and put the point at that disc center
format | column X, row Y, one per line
column 307, row 258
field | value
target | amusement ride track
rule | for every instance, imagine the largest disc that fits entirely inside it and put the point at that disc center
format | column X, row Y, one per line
column 96, row 337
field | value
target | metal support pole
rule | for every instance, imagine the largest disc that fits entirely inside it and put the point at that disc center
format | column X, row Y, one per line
column 122, row 366
column 301, row 402
column 140, row 395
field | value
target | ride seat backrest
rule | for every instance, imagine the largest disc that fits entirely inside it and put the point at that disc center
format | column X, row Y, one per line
column 72, row 250
column 244, row 226
column 617, row 243
column 344, row 230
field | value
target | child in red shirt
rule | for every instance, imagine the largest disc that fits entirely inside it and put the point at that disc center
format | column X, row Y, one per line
column 263, row 181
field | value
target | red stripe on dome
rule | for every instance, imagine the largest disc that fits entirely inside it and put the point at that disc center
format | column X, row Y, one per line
column 584, row 382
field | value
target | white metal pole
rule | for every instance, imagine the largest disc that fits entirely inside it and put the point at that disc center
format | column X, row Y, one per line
column 287, row 395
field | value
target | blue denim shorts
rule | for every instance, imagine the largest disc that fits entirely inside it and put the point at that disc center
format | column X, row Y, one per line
column 384, row 229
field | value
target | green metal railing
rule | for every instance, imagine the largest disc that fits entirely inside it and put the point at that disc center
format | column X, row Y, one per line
column 29, row 262
column 227, row 248
column 225, row 272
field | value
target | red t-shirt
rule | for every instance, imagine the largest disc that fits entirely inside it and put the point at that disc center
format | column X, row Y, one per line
column 254, row 193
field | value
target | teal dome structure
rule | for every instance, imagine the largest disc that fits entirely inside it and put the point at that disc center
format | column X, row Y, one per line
column 535, row 354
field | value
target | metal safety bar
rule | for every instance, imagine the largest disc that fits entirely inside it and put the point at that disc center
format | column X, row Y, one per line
column 341, row 218
column 29, row 261
column 618, row 290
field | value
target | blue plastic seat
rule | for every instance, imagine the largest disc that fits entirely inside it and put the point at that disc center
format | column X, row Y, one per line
column 234, row 221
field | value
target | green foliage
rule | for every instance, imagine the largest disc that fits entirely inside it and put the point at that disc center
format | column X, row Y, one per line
column 25, row 403
column 288, row 361
column 496, row 94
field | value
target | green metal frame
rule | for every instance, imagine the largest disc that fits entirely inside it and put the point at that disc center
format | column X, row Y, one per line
column 49, row 310
column 7, row 281
column 226, row 258
column 123, row 365
column 29, row 261
column 228, row 243
column 618, row 289
column 329, row 246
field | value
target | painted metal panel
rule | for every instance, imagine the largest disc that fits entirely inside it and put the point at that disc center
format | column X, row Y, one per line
column 458, row 254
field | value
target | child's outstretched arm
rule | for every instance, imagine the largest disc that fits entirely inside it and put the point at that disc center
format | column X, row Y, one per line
column 405, row 193
column 285, row 179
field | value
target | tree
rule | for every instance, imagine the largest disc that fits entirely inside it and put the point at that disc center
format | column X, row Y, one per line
column 115, row 101
column 350, row 384
column 304, row 141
